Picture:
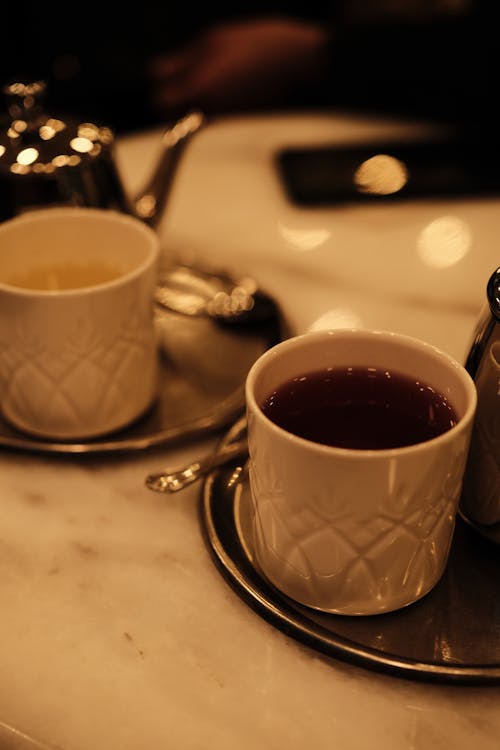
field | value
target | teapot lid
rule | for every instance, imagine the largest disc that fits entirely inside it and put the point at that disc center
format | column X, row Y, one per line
column 493, row 292
column 32, row 142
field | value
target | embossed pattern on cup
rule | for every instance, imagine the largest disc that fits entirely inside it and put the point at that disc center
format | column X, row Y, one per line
column 355, row 531
column 81, row 362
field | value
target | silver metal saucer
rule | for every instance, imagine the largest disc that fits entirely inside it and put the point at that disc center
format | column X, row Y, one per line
column 451, row 635
column 489, row 532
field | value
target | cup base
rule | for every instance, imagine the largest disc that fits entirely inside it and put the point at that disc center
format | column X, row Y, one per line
column 81, row 434
column 370, row 608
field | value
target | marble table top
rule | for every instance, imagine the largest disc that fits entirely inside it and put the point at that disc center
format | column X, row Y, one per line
column 117, row 630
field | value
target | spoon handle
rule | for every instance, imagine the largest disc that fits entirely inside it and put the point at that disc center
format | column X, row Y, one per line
column 173, row 480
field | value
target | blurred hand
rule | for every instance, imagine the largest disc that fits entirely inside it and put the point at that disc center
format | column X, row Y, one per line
column 239, row 65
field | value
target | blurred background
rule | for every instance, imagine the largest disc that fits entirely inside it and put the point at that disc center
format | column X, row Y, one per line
column 131, row 66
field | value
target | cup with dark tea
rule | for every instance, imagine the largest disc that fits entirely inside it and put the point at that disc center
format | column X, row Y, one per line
column 358, row 441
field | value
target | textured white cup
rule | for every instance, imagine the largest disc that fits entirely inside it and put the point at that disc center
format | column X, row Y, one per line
column 77, row 363
column 355, row 532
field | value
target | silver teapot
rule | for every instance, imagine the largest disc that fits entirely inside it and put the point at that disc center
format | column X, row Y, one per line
column 47, row 160
column 480, row 500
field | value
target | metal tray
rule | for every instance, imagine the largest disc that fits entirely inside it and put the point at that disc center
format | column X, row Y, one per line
column 203, row 366
column 451, row 635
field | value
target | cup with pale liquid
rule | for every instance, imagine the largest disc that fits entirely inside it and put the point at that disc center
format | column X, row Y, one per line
column 357, row 441
column 78, row 353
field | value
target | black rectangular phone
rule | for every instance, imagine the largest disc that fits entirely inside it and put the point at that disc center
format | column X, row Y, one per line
column 330, row 174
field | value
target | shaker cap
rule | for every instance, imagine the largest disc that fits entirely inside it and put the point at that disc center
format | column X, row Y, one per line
column 493, row 293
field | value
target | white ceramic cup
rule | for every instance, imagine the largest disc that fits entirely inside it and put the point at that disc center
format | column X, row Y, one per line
column 355, row 531
column 78, row 353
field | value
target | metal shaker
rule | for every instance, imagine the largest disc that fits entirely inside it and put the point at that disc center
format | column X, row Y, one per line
column 480, row 501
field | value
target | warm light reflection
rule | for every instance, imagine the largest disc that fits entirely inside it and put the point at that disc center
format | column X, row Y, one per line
column 19, row 125
column 27, row 156
column 88, row 130
column 2, row 150
column 381, row 175
column 61, row 160
column 337, row 318
column 82, row 145
column 49, row 129
column 46, row 132
column 106, row 135
column 56, row 124
column 444, row 242
column 20, row 168
column 304, row 239
column 146, row 206
column 182, row 128
column 235, row 477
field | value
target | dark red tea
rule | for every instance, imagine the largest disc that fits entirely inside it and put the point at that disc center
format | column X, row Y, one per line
column 360, row 407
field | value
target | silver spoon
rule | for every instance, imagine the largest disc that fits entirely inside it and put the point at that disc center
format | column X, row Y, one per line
column 196, row 291
column 173, row 480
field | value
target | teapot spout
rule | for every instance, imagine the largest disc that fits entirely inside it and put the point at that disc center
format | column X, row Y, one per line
column 149, row 204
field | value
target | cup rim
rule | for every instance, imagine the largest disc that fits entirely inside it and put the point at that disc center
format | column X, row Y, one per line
column 105, row 214
column 355, row 453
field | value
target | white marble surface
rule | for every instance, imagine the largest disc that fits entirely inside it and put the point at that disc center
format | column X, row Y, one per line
column 117, row 630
